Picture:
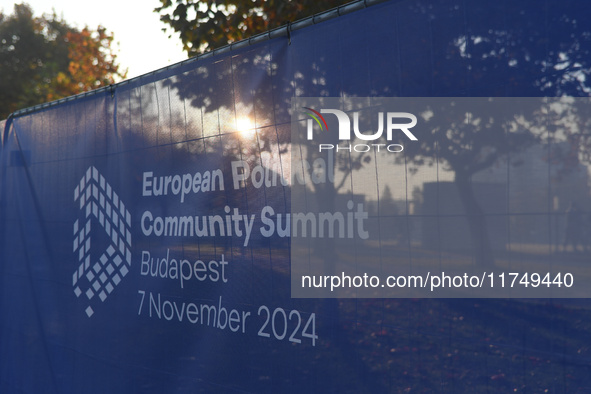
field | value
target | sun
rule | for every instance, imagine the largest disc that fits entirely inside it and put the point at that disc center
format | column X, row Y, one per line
column 244, row 126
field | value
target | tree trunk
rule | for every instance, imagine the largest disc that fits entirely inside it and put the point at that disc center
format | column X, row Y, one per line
column 476, row 221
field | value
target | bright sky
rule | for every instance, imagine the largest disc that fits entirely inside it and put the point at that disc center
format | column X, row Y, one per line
column 143, row 46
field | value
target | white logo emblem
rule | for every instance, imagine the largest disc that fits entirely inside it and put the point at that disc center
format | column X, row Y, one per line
column 97, row 279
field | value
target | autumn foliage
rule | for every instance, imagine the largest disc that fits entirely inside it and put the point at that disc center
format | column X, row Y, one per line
column 206, row 25
column 90, row 65
column 44, row 59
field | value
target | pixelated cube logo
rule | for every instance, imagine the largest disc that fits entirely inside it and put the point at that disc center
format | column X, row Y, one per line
column 102, row 240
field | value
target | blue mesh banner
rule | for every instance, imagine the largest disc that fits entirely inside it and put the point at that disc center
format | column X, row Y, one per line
column 136, row 247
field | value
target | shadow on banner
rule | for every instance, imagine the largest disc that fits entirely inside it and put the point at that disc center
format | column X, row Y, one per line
column 146, row 229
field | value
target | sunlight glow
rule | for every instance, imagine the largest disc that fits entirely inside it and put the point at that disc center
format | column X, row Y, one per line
column 245, row 126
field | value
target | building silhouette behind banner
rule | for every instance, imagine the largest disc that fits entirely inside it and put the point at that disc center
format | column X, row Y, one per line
column 516, row 215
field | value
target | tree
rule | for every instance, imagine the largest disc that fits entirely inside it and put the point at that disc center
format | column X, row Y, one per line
column 207, row 25
column 471, row 51
column 43, row 59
